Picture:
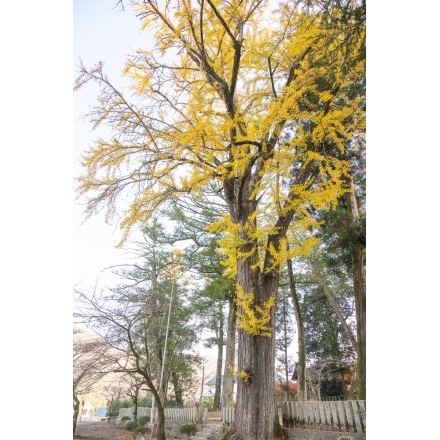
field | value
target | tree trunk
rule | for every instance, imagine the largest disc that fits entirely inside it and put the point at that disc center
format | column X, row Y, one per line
column 76, row 404
column 285, row 347
column 228, row 384
column 218, row 373
column 357, row 251
column 360, row 299
column 256, row 416
column 160, row 421
column 301, row 365
column 135, row 409
column 255, row 409
column 158, row 405
column 344, row 385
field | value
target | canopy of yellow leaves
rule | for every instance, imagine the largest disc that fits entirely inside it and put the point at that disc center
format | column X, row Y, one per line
column 261, row 100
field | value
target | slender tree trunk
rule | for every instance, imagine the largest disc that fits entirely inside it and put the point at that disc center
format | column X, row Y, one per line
column 359, row 280
column 158, row 405
column 228, row 384
column 334, row 305
column 76, row 405
column 285, row 347
column 344, row 385
column 218, row 373
column 301, row 365
column 203, row 383
column 360, row 299
column 135, row 408
column 199, row 415
column 160, row 421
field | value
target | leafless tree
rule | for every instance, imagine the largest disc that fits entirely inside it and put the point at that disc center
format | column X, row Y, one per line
column 90, row 365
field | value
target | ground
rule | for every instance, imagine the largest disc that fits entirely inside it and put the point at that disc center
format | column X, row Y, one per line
column 101, row 430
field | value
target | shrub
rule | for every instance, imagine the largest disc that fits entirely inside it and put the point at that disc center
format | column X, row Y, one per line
column 126, row 418
column 135, row 429
column 189, row 429
column 143, row 420
column 131, row 426
column 117, row 405
column 143, row 429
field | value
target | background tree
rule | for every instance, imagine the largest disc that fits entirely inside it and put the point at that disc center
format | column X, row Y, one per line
column 260, row 102
column 349, row 233
column 285, row 336
column 113, row 392
column 133, row 319
column 328, row 324
column 135, row 384
column 300, row 366
column 90, row 365
column 204, row 259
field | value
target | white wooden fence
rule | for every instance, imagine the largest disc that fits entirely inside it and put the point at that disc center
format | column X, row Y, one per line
column 228, row 414
column 342, row 416
column 183, row 415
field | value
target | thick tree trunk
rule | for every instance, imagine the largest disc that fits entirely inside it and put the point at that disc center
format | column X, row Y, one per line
column 256, row 410
column 301, row 365
column 228, row 384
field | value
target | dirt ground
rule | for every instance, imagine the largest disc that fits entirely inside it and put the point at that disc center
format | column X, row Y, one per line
column 101, row 430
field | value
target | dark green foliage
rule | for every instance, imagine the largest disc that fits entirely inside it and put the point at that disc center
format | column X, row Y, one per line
column 325, row 336
column 136, row 427
column 188, row 429
column 332, row 388
column 131, row 426
column 143, row 420
column 143, row 429
column 117, row 405
column 126, row 418
column 145, row 401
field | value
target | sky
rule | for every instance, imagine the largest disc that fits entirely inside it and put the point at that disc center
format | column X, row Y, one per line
column 100, row 33
column 44, row 249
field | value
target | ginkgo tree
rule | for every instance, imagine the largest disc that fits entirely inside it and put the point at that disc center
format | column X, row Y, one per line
column 259, row 98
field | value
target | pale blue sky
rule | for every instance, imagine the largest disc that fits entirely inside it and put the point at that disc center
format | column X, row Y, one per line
column 101, row 32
